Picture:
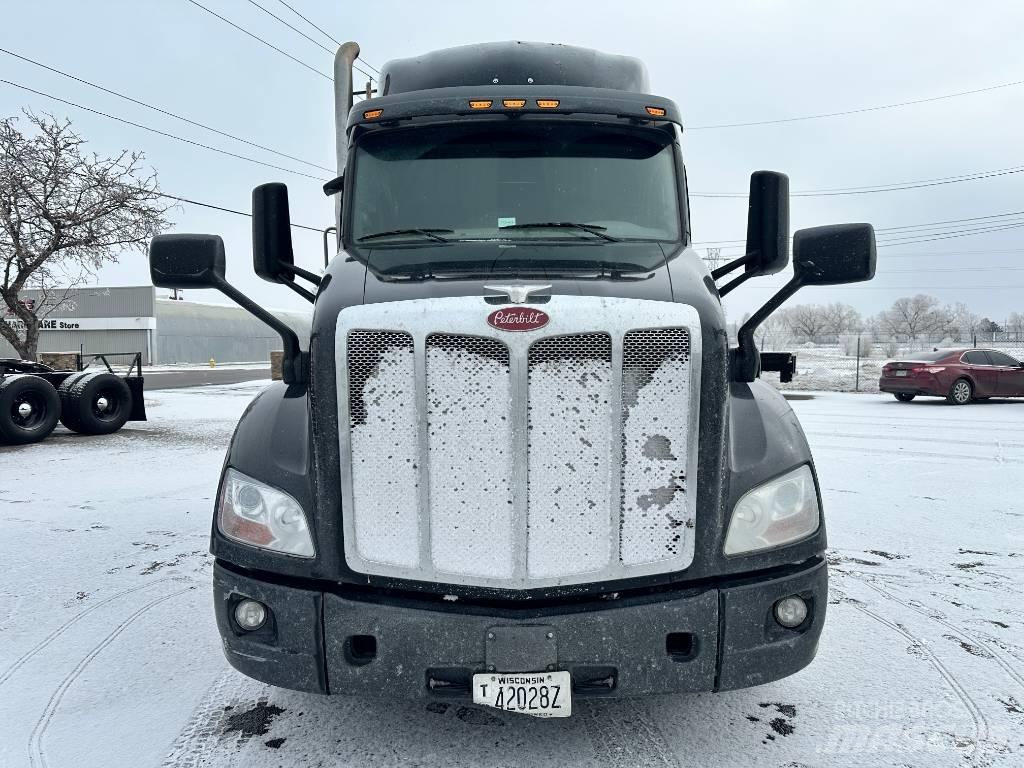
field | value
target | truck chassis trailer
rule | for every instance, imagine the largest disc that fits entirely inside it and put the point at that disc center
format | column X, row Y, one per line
column 34, row 397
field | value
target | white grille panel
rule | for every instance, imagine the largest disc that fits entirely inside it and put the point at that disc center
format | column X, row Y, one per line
column 519, row 460
column 469, row 401
column 569, row 449
column 383, row 427
column 657, row 523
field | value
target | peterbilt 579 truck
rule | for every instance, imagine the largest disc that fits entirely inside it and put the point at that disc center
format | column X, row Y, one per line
column 519, row 463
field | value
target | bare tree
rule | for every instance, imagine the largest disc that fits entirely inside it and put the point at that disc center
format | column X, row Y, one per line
column 806, row 320
column 63, row 214
column 840, row 318
column 914, row 316
column 963, row 323
column 1015, row 325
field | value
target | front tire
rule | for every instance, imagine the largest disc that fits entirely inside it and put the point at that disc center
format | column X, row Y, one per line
column 903, row 397
column 95, row 403
column 29, row 408
column 961, row 393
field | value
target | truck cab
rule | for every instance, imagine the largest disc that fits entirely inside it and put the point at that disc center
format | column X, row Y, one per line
column 519, row 462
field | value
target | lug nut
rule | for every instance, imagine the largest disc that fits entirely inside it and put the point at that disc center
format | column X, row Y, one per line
column 791, row 611
column 250, row 615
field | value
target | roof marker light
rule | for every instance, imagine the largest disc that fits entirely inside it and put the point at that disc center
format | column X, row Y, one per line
column 656, row 111
column 480, row 103
column 370, row 114
column 547, row 103
column 513, row 103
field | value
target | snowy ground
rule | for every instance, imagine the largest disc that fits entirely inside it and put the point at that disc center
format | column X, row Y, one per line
column 109, row 655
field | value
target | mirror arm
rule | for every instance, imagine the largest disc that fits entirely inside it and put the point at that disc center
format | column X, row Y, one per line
column 745, row 362
column 734, row 283
column 303, row 273
column 296, row 362
column 307, row 295
column 327, row 257
column 733, row 265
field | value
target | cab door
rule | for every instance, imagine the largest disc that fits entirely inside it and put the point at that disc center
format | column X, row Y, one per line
column 977, row 363
column 1009, row 373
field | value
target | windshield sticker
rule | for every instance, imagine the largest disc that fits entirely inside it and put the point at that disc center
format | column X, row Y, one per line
column 506, row 221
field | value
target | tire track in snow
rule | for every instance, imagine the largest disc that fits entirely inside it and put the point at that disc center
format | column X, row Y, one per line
column 42, row 644
column 981, row 727
column 622, row 733
column 863, row 450
column 1016, row 676
column 36, row 754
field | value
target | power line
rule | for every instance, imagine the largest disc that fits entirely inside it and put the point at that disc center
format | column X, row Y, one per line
column 163, row 111
column 260, row 39
column 326, row 34
column 230, row 210
column 162, row 133
column 294, row 29
column 890, row 229
column 856, row 111
column 893, row 187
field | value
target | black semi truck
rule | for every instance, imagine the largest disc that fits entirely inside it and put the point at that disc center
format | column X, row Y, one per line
column 519, row 462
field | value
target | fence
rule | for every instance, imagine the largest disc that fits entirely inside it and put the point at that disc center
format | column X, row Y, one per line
column 854, row 363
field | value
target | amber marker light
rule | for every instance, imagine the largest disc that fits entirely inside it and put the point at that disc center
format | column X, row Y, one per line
column 513, row 103
column 370, row 114
column 547, row 103
column 480, row 103
column 656, row 111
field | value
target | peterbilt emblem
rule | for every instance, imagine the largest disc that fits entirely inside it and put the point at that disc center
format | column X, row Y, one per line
column 517, row 319
column 517, row 294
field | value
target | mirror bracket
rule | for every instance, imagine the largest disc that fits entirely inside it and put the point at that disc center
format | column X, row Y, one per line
column 744, row 359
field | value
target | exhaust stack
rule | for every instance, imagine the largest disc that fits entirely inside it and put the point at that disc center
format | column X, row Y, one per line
column 343, row 61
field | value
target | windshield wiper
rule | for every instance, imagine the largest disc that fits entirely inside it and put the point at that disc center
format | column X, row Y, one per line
column 594, row 229
column 425, row 231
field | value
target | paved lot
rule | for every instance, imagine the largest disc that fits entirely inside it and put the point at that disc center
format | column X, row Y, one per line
column 109, row 656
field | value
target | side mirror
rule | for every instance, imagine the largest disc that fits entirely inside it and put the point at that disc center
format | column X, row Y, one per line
column 834, row 255
column 187, row 261
column 767, row 249
column 197, row 261
column 767, row 224
column 272, row 254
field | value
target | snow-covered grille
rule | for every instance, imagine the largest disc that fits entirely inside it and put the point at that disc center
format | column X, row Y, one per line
column 569, row 447
column 654, row 475
column 469, row 439
column 382, row 420
column 561, row 455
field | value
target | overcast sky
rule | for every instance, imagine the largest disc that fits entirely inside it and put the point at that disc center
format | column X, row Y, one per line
column 722, row 62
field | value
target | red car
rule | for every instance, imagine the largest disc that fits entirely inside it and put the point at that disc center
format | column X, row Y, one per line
column 959, row 375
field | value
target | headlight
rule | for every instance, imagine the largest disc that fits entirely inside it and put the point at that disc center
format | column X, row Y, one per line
column 779, row 512
column 253, row 513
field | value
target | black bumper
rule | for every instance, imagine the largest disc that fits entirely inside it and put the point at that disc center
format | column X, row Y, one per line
column 708, row 638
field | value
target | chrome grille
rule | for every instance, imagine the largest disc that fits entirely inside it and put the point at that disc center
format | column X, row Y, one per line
column 569, row 450
column 478, row 456
column 383, row 427
column 469, row 441
column 654, row 472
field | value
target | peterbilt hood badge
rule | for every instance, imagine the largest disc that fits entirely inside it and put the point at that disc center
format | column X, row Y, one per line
column 517, row 319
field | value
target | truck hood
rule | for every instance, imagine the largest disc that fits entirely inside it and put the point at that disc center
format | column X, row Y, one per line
column 626, row 270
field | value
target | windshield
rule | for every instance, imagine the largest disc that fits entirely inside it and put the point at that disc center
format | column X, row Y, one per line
column 515, row 182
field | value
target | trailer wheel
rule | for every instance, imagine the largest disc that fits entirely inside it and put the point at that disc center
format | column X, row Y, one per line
column 95, row 403
column 29, row 408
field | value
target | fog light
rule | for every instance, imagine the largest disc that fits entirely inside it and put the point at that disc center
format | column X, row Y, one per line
column 250, row 615
column 791, row 611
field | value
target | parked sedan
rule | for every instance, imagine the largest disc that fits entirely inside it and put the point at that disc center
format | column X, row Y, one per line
column 959, row 375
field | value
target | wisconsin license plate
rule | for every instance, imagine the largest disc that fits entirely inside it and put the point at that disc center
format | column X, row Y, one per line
column 541, row 694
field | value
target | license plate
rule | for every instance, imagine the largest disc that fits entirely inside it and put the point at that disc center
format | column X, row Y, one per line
column 901, row 373
column 541, row 694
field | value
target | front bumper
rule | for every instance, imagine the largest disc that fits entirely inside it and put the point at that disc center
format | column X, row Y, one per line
column 708, row 638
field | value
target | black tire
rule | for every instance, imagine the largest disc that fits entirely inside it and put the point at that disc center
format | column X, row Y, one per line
column 961, row 393
column 95, row 403
column 29, row 409
column 904, row 397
